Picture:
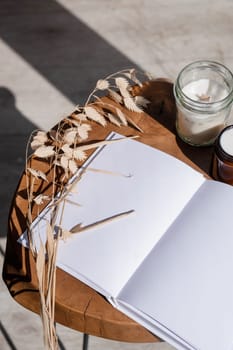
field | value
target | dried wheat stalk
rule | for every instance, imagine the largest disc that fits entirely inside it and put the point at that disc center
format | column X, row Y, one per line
column 62, row 150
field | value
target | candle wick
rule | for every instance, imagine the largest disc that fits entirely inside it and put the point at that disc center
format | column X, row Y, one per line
column 203, row 97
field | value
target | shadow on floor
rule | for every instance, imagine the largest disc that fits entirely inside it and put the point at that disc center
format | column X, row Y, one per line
column 14, row 133
column 59, row 46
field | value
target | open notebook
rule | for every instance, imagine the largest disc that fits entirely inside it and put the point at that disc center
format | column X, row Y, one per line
column 169, row 264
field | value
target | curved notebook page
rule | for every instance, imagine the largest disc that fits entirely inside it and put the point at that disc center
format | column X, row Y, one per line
column 186, row 283
column 154, row 185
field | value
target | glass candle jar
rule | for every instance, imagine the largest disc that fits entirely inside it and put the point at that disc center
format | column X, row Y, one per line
column 223, row 156
column 204, row 94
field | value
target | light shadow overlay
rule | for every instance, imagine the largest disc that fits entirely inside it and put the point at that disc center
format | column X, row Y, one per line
column 62, row 49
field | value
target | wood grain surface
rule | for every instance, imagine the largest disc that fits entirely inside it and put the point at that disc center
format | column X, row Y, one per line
column 78, row 306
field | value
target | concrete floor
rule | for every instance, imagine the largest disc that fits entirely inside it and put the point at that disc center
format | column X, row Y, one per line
column 51, row 54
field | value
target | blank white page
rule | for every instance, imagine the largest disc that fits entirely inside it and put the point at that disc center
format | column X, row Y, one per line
column 186, row 282
column 157, row 189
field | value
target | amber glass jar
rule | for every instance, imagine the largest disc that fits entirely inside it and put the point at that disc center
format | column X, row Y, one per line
column 222, row 168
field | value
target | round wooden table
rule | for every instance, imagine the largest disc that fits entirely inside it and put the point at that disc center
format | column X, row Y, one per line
column 78, row 306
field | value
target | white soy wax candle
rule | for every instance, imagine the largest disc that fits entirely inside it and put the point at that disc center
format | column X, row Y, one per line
column 226, row 141
column 222, row 165
column 204, row 94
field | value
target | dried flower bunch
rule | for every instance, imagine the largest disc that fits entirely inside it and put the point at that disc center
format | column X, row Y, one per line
column 64, row 150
